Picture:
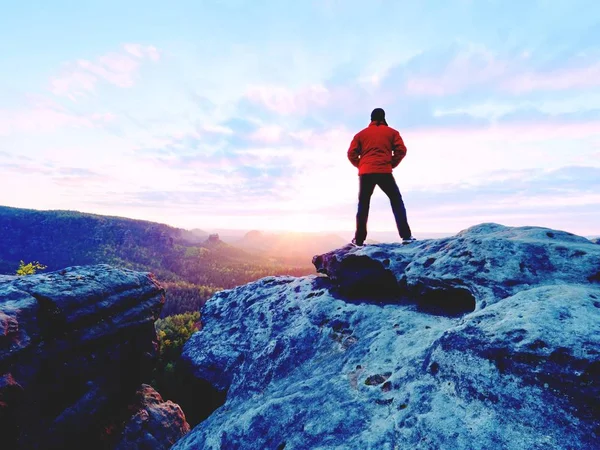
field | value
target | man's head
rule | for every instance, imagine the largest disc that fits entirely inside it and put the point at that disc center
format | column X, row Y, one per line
column 378, row 115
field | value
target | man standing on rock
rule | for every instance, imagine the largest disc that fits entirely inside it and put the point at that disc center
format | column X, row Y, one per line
column 377, row 150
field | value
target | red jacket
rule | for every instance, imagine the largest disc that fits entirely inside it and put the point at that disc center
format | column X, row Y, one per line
column 376, row 149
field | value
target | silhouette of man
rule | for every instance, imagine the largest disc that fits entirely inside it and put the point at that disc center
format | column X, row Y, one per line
column 377, row 150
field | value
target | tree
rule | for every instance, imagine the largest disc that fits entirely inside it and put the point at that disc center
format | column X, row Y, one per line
column 29, row 268
column 170, row 378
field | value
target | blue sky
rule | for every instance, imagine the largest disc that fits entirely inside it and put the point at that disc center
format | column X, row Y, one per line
column 238, row 114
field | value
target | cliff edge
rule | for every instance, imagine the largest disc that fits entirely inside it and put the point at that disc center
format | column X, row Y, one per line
column 75, row 347
column 488, row 339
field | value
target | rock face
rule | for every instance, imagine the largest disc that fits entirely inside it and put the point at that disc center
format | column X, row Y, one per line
column 479, row 266
column 315, row 362
column 154, row 424
column 74, row 347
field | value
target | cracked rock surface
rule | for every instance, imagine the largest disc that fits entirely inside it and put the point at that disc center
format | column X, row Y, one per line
column 488, row 339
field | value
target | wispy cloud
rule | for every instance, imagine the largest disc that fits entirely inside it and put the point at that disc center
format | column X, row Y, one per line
column 119, row 68
column 142, row 51
column 514, row 74
column 29, row 168
column 79, row 177
column 585, row 76
column 270, row 134
column 466, row 69
column 60, row 174
column 283, row 100
column 46, row 117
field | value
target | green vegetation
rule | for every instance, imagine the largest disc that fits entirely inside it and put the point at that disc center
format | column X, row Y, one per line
column 29, row 268
column 183, row 296
column 173, row 332
column 170, row 377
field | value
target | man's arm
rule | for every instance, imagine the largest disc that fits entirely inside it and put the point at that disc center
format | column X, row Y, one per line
column 399, row 150
column 354, row 151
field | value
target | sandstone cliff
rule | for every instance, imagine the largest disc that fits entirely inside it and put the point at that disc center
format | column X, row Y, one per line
column 488, row 339
column 75, row 346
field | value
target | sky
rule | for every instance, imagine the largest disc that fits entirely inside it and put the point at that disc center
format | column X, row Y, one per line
column 238, row 114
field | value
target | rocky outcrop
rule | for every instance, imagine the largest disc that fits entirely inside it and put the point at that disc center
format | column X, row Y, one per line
column 154, row 423
column 316, row 362
column 75, row 346
column 477, row 267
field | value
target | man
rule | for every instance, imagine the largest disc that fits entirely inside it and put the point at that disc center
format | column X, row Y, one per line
column 377, row 150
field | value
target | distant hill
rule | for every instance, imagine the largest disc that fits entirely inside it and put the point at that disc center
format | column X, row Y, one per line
column 192, row 270
column 194, row 236
column 291, row 245
column 63, row 238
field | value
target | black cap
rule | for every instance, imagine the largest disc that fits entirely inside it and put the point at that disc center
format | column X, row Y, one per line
column 378, row 115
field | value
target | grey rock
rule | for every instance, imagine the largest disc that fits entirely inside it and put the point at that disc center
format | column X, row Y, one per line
column 75, row 345
column 315, row 363
column 487, row 261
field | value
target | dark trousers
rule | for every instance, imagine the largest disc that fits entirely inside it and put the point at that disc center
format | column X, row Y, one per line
column 387, row 183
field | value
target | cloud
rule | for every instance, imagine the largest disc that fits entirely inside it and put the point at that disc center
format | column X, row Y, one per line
column 76, row 172
column 467, row 69
column 268, row 134
column 249, row 169
column 47, row 117
column 27, row 168
column 242, row 125
column 80, row 78
column 562, row 79
column 467, row 80
column 203, row 102
column 77, row 176
column 209, row 201
column 471, row 69
column 60, row 174
column 458, row 87
column 141, row 51
column 285, row 101
column 216, row 129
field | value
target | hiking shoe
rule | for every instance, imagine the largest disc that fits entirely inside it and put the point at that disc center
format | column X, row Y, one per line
column 355, row 244
column 408, row 240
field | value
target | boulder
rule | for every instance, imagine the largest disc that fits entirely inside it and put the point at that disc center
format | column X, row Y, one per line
column 75, row 345
column 315, row 362
column 154, row 423
column 488, row 261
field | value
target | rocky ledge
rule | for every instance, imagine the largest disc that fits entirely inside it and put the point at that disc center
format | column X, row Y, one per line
column 75, row 346
column 488, row 339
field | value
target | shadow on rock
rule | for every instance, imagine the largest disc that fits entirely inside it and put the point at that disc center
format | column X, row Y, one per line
column 448, row 298
column 358, row 296
column 359, row 276
column 441, row 297
column 197, row 397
